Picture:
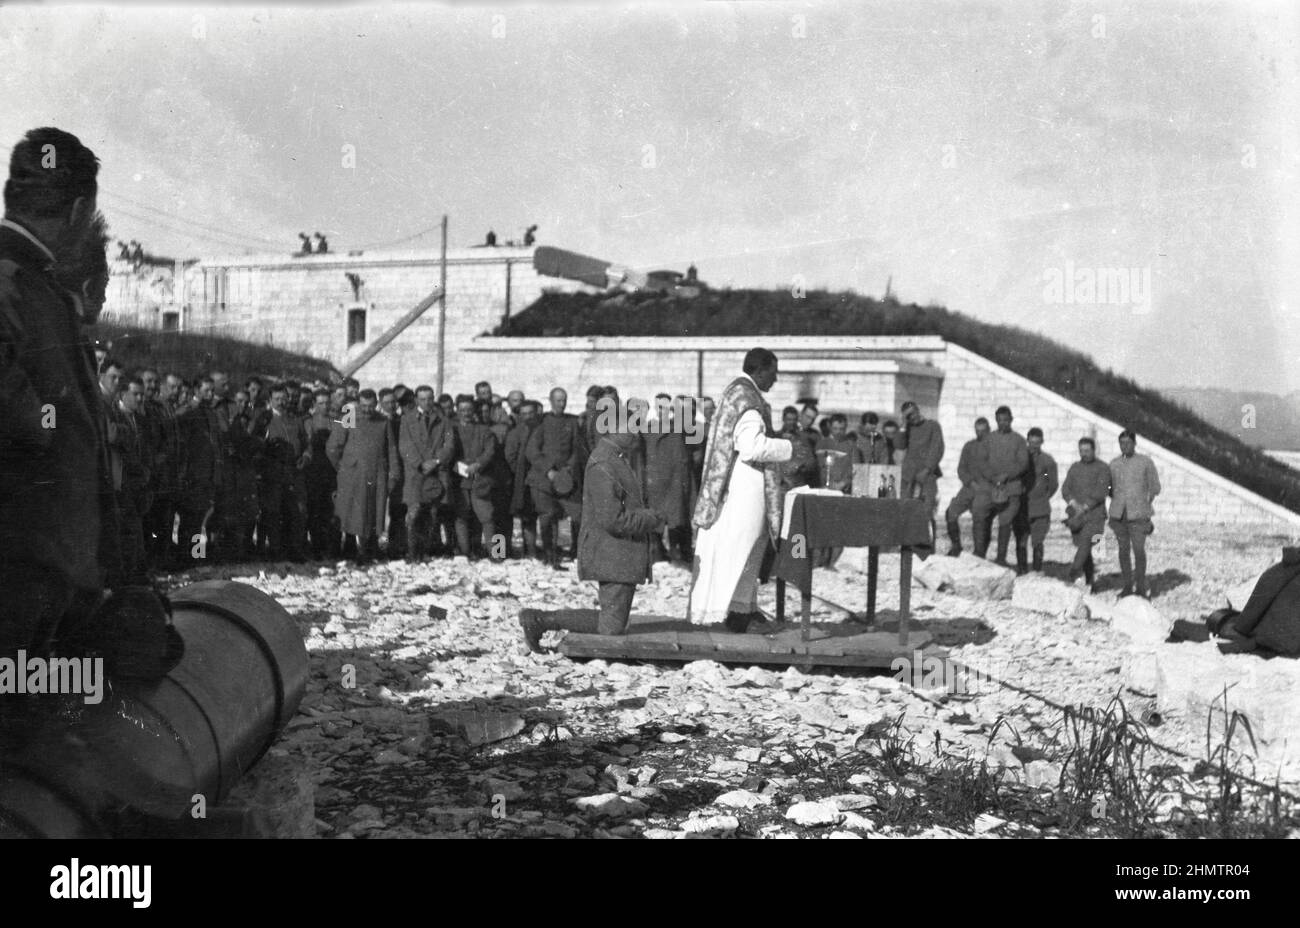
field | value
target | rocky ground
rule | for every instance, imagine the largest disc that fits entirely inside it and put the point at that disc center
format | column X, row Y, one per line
column 420, row 723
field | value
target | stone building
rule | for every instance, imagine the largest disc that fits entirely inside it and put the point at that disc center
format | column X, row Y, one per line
column 331, row 305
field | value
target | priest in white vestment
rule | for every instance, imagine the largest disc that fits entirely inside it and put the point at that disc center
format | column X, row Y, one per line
column 739, row 505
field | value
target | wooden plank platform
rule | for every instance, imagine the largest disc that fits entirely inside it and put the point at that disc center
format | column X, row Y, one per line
column 663, row 638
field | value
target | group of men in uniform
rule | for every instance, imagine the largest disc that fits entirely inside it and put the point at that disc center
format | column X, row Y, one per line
column 1011, row 479
column 201, row 473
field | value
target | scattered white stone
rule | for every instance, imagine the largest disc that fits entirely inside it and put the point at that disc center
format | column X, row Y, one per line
column 758, row 676
column 811, row 814
column 1140, row 669
column 1140, row 621
column 793, row 680
column 844, row 834
column 1041, row 774
column 852, row 802
column 729, row 768
column 1038, row 593
column 857, row 822
column 984, row 823
column 743, row 799
column 610, row 804
column 965, row 575
column 749, row 755
column 1099, row 607
column 822, row 715
column 710, row 826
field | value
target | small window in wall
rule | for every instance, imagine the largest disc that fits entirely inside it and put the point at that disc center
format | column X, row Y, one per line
column 171, row 322
column 356, row 326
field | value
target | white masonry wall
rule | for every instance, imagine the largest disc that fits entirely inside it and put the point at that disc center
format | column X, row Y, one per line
column 301, row 303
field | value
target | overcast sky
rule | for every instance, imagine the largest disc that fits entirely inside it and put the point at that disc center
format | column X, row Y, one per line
column 969, row 150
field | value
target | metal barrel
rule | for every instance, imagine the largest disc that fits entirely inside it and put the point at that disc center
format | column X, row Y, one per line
column 153, row 747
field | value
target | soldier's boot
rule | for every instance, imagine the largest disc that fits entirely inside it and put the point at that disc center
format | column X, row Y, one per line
column 550, row 548
column 536, row 622
column 1140, row 573
column 414, row 550
column 1004, row 541
column 981, row 535
column 1038, row 558
column 575, row 526
column 1089, row 572
column 462, row 538
column 954, row 536
column 1022, row 557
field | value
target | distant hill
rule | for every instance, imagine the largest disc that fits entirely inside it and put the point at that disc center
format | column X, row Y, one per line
column 1050, row 364
column 1276, row 419
column 189, row 354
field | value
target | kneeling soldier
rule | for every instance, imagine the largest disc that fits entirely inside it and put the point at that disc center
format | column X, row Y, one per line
column 614, row 544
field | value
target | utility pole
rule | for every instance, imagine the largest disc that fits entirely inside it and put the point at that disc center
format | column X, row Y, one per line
column 442, row 309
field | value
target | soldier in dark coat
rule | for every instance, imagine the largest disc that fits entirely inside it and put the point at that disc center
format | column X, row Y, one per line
column 427, row 445
column 587, row 418
column 164, row 439
column 1034, row 518
column 478, row 465
column 614, row 547
column 53, row 469
column 870, row 441
column 281, row 489
column 131, row 454
column 202, row 459
column 555, row 456
column 239, row 480
column 390, row 407
column 667, row 475
column 322, row 526
column 972, row 469
column 1086, row 486
column 528, row 418
column 363, row 454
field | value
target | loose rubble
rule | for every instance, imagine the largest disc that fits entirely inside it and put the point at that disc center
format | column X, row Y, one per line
column 427, row 716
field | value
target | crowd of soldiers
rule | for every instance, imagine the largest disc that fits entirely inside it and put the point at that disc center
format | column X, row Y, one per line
column 204, row 471
column 292, row 471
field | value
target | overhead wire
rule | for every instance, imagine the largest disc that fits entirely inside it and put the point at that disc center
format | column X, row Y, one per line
column 229, row 241
column 226, row 231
